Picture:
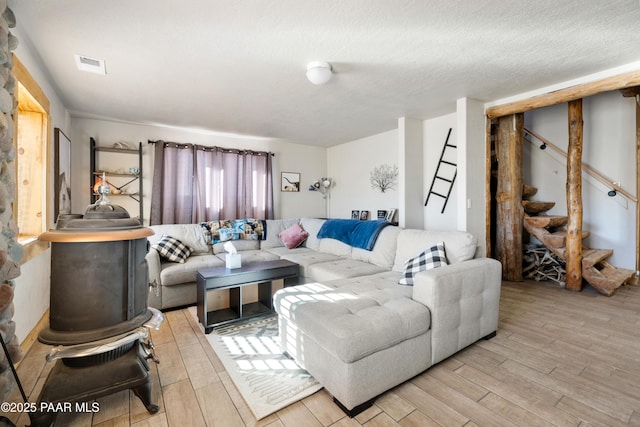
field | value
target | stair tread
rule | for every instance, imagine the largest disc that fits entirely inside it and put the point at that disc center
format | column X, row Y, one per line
column 591, row 257
column 528, row 191
column 563, row 232
column 558, row 238
column 607, row 279
column 546, row 220
column 616, row 273
column 536, row 207
column 546, row 238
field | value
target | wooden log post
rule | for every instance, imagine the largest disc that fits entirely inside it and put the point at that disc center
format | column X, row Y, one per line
column 509, row 211
column 573, row 254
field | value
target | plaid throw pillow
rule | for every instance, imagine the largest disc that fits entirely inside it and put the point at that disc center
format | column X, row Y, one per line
column 172, row 249
column 431, row 258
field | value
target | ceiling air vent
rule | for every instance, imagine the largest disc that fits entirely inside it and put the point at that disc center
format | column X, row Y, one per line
column 92, row 65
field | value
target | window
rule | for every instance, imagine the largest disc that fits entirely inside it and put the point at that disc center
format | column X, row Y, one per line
column 31, row 137
column 193, row 183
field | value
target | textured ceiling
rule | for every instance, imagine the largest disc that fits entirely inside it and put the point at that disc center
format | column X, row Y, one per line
column 238, row 66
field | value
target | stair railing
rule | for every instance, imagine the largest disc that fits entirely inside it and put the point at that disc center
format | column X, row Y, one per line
column 586, row 168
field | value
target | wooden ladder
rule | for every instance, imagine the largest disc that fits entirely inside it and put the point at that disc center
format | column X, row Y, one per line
column 439, row 175
column 551, row 232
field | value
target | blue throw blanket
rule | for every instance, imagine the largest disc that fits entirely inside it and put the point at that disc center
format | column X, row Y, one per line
column 353, row 232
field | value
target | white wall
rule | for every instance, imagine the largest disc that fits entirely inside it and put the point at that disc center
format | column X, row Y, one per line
column 350, row 164
column 410, row 147
column 31, row 298
column 309, row 161
column 608, row 147
column 472, row 153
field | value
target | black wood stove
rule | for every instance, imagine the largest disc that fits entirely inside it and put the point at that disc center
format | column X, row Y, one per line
column 99, row 319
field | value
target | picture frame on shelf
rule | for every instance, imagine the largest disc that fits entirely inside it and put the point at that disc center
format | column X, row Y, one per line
column 62, row 174
column 390, row 215
column 364, row 215
column 382, row 214
column 355, row 214
column 290, row 182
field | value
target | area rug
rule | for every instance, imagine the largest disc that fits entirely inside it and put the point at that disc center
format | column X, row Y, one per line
column 267, row 378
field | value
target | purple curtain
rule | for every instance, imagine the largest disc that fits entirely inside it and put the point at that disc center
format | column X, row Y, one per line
column 194, row 183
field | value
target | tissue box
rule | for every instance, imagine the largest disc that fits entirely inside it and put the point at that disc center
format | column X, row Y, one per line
column 233, row 260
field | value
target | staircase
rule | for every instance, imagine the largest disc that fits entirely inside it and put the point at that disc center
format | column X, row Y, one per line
column 551, row 232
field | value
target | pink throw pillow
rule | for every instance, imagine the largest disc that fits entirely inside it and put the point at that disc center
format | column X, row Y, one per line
column 293, row 236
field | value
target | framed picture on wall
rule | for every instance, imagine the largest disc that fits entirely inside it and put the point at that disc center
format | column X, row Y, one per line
column 364, row 215
column 382, row 214
column 62, row 174
column 355, row 214
column 290, row 181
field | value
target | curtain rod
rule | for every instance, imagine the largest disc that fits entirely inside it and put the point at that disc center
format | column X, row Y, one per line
column 211, row 148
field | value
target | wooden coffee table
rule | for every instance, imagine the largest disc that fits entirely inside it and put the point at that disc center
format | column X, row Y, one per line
column 219, row 278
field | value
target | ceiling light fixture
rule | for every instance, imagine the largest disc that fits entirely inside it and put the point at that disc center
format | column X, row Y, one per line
column 318, row 72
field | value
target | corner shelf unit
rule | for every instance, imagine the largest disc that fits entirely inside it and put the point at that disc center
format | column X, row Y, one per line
column 124, row 178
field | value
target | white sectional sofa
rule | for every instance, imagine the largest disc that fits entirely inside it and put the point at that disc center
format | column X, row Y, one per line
column 351, row 324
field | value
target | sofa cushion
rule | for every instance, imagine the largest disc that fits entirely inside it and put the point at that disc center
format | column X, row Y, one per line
column 386, row 280
column 172, row 249
column 460, row 245
column 312, row 226
column 240, row 245
column 178, row 274
column 383, row 253
column 431, row 258
column 293, row 236
column 275, row 227
column 341, row 269
column 305, row 259
column 351, row 324
column 282, row 251
column 335, row 247
column 191, row 235
column 253, row 256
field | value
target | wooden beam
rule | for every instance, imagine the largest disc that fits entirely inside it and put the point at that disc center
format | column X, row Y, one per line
column 573, row 252
column 510, row 213
column 26, row 79
column 573, row 93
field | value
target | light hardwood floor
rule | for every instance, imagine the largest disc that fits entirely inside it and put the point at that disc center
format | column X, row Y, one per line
column 559, row 359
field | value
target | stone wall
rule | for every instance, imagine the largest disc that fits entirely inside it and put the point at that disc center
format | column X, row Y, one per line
column 10, row 250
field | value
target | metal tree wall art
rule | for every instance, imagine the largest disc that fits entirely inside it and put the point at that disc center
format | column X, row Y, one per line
column 383, row 177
